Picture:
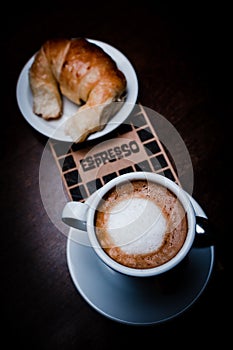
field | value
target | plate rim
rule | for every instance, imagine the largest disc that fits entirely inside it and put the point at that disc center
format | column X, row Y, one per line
column 54, row 132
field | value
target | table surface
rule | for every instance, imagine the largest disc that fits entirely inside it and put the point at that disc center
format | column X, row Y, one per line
column 180, row 55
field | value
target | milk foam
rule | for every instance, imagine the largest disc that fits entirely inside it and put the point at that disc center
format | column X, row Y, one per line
column 137, row 225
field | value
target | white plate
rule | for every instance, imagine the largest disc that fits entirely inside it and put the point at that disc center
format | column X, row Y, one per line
column 55, row 128
column 139, row 301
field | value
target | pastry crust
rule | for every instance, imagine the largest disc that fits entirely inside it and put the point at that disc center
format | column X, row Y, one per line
column 84, row 73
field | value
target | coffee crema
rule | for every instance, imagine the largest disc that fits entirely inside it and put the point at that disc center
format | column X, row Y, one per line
column 141, row 224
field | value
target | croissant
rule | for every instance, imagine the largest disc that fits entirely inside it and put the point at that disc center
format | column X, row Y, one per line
column 85, row 74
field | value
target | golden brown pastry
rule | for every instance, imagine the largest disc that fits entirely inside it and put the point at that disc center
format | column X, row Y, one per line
column 84, row 73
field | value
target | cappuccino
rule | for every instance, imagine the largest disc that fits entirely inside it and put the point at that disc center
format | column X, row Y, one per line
column 141, row 224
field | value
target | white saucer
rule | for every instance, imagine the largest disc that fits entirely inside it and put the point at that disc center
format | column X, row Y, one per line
column 55, row 129
column 139, row 301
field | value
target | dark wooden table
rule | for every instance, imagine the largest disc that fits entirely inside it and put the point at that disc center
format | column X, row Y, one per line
column 181, row 57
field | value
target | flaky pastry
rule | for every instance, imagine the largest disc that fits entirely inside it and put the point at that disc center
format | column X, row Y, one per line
column 85, row 74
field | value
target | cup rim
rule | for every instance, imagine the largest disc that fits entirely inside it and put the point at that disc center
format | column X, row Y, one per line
column 160, row 179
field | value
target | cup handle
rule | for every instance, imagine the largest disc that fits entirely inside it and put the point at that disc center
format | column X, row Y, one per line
column 205, row 235
column 75, row 215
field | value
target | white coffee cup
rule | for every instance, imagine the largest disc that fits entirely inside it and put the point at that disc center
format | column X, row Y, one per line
column 82, row 216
